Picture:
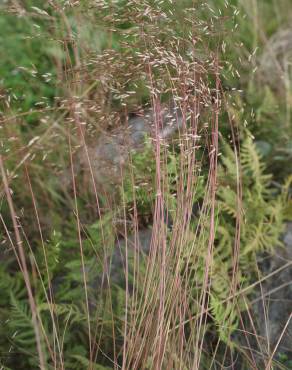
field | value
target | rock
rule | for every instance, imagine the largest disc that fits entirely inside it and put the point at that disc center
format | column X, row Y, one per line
column 139, row 244
column 276, row 59
column 109, row 155
column 273, row 305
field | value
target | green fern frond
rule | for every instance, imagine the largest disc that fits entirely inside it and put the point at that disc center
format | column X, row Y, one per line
column 225, row 317
column 21, row 323
column 65, row 311
column 87, row 364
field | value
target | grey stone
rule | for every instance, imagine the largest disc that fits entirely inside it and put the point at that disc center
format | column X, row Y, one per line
column 274, row 300
column 105, row 160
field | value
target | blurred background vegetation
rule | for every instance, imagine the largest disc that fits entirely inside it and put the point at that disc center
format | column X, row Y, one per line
column 82, row 61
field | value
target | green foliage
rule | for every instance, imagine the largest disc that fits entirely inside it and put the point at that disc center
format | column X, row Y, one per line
column 225, row 315
column 43, row 43
column 260, row 216
column 139, row 183
column 86, row 364
column 26, row 69
column 69, row 309
column 261, row 213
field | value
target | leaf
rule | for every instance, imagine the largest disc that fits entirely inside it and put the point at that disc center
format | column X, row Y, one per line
column 39, row 11
column 89, row 364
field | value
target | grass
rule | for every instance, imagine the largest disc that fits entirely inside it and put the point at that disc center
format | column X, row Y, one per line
column 156, row 270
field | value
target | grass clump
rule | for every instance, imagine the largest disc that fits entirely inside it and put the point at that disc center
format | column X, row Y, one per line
column 151, row 262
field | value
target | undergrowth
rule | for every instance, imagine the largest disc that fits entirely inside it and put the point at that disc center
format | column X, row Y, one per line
column 150, row 263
